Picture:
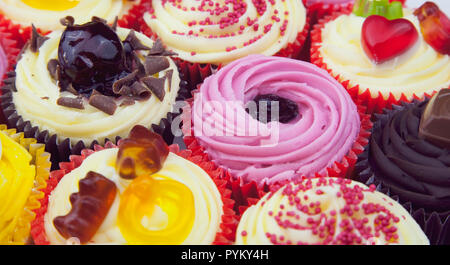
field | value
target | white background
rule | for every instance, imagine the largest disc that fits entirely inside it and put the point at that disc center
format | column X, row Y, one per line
column 444, row 5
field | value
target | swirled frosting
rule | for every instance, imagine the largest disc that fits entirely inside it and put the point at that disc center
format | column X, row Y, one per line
column 412, row 168
column 16, row 181
column 328, row 211
column 323, row 132
column 48, row 20
column 37, row 95
column 217, row 32
column 3, row 62
column 207, row 199
column 418, row 71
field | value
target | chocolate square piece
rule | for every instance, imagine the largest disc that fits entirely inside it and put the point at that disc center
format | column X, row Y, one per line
column 435, row 121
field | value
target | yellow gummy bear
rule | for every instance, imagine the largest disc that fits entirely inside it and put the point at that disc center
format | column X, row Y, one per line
column 52, row 5
column 138, row 202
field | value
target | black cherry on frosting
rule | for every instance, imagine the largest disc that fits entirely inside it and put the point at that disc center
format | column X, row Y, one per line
column 288, row 109
column 91, row 56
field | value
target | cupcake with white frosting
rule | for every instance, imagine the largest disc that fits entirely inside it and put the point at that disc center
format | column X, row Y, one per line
column 87, row 84
column 141, row 192
column 382, row 58
column 328, row 211
column 206, row 33
column 45, row 14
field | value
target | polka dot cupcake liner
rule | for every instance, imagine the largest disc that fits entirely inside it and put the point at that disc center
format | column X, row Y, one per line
column 228, row 225
column 435, row 225
column 197, row 72
column 375, row 103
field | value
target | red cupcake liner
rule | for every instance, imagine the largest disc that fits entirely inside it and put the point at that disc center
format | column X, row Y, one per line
column 22, row 34
column 246, row 194
column 229, row 222
column 197, row 72
column 361, row 96
column 318, row 11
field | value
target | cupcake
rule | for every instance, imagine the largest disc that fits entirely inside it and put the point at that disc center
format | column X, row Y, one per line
column 321, row 8
column 328, row 211
column 270, row 119
column 45, row 14
column 211, row 33
column 89, row 83
column 137, row 193
column 408, row 157
column 383, row 53
column 24, row 169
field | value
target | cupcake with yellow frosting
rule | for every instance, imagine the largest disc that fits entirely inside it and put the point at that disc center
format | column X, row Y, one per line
column 45, row 14
column 383, row 53
column 89, row 83
column 205, row 34
column 141, row 192
column 328, row 211
column 24, row 169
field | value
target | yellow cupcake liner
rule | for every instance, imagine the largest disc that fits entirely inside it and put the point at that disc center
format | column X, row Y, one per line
column 20, row 233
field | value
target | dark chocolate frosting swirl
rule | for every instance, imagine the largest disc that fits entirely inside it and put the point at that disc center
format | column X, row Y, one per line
column 412, row 168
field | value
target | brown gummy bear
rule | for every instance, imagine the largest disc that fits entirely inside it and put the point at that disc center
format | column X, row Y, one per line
column 89, row 208
column 142, row 153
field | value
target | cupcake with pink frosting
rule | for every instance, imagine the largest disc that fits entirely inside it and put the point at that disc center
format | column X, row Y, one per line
column 272, row 119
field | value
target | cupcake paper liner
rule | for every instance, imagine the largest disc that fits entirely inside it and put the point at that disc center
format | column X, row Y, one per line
column 22, row 34
column 341, row 169
column 229, row 222
column 61, row 149
column 41, row 161
column 320, row 10
column 10, row 47
column 374, row 103
column 197, row 72
column 436, row 226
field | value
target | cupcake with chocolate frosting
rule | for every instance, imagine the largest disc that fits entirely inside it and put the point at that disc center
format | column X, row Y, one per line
column 328, row 211
column 89, row 83
column 409, row 158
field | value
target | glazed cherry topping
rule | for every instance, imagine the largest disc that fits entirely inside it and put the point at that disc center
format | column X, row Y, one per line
column 91, row 56
column 288, row 109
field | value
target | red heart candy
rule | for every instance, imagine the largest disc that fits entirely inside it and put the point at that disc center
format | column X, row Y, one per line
column 384, row 39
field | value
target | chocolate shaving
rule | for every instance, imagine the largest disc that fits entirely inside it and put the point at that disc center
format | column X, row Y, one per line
column 114, row 25
column 155, row 64
column 135, row 42
column 36, row 39
column 137, row 64
column 140, row 91
column 53, row 68
column 128, row 80
column 99, row 19
column 127, row 102
column 75, row 103
column 45, row 98
column 156, row 85
column 67, row 21
column 71, row 89
column 103, row 103
column 157, row 49
column 168, row 76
